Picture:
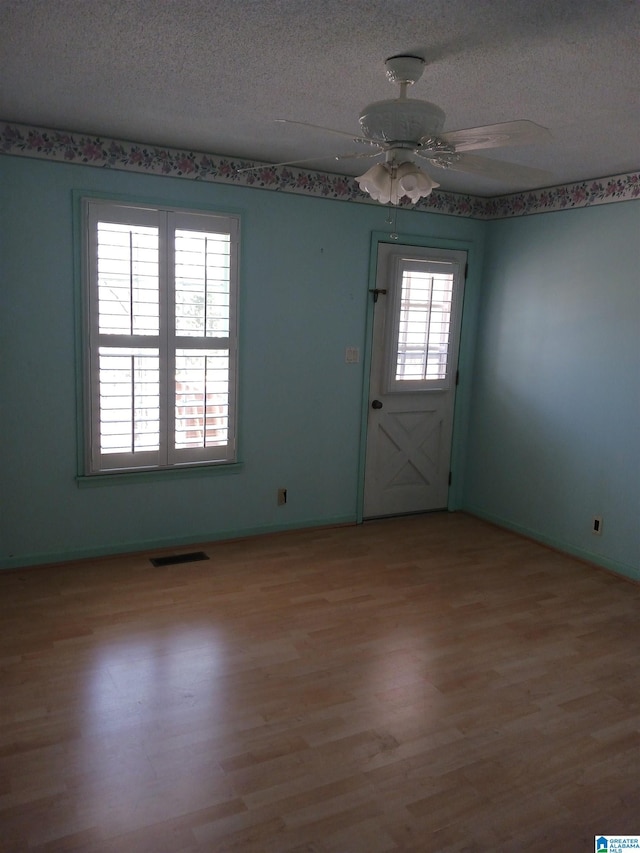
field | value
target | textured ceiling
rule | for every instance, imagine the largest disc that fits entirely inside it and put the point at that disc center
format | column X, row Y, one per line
column 211, row 75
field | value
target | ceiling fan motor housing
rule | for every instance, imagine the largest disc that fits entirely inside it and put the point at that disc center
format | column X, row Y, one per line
column 401, row 120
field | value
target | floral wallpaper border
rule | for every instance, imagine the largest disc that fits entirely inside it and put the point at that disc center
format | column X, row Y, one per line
column 103, row 152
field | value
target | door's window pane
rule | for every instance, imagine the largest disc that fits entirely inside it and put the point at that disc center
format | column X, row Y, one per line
column 423, row 328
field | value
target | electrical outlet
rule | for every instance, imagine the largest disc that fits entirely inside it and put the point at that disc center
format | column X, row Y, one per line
column 596, row 526
column 282, row 497
column 352, row 355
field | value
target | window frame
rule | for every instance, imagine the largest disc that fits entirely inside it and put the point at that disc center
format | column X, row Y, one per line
column 168, row 458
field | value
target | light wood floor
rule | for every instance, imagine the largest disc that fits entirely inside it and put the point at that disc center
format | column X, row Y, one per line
column 423, row 684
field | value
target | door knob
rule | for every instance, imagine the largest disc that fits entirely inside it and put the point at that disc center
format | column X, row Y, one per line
column 376, row 404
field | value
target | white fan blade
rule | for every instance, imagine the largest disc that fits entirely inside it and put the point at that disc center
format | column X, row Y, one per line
column 308, row 160
column 498, row 170
column 365, row 155
column 497, row 135
column 353, row 136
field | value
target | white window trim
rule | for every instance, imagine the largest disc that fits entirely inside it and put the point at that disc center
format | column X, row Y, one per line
column 168, row 457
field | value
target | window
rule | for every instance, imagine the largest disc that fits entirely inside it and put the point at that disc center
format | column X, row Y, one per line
column 423, row 303
column 161, row 344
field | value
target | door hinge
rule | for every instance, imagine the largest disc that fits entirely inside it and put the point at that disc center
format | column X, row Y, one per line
column 450, row 477
column 466, row 270
column 457, row 377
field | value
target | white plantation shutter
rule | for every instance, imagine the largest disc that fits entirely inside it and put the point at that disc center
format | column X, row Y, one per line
column 202, row 399
column 128, row 274
column 129, row 403
column 202, row 263
column 162, row 346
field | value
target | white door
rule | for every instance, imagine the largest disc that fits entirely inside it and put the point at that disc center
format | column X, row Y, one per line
column 416, row 334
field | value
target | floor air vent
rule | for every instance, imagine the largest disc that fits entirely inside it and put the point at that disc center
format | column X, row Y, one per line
column 174, row 559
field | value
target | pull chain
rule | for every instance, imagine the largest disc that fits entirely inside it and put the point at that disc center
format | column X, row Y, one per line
column 392, row 218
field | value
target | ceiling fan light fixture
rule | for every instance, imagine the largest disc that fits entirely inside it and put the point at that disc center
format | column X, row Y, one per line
column 377, row 182
column 414, row 183
column 389, row 182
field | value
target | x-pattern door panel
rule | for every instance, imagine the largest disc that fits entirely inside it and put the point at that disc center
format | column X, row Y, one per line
column 407, row 462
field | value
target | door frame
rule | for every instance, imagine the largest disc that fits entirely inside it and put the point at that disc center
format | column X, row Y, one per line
column 465, row 355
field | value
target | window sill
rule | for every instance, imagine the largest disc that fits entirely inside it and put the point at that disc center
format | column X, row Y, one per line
column 153, row 476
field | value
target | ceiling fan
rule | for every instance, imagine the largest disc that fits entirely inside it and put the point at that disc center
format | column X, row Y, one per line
column 403, row 129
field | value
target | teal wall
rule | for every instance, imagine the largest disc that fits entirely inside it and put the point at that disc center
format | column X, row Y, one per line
column 304, row 281
column 555, row 420
column 547, row 412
